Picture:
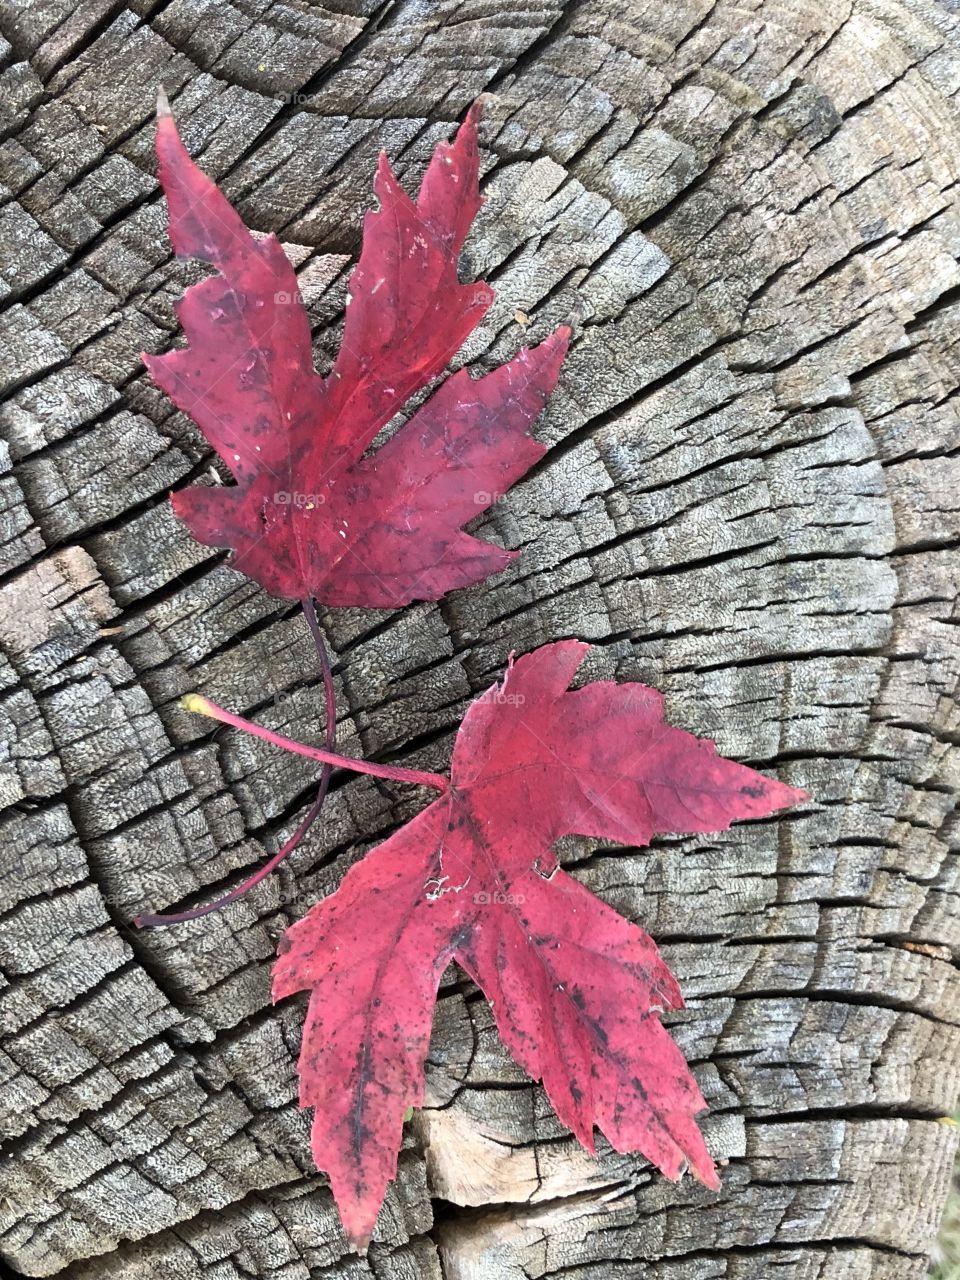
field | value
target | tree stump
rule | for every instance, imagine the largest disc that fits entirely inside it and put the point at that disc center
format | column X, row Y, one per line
column 750, row 501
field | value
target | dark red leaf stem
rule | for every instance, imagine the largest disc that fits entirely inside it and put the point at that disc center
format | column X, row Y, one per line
column 151, row 919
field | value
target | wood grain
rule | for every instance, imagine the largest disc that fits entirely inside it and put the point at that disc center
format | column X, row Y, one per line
column 751, row 500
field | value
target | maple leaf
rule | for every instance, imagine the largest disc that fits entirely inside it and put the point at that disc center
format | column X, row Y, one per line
column 309, row 515
column 474, row 878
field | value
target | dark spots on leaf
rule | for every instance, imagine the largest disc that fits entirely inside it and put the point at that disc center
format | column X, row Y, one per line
column 462, row 937
column 638, row 1086
column 405, row 527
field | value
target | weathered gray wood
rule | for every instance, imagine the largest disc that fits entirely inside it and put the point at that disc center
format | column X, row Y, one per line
column 751, row 501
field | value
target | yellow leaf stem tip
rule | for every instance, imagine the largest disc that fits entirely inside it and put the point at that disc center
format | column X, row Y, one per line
column 200, row 706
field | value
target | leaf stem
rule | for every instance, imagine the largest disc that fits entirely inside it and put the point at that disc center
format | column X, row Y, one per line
column 204, row 707
column 309, row 606
column 149, row 919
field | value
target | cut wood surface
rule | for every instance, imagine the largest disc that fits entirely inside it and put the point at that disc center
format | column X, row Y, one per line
column 751, row 500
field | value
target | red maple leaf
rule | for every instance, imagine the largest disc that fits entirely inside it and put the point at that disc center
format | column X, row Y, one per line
column 309, row 515
column 575, row 988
